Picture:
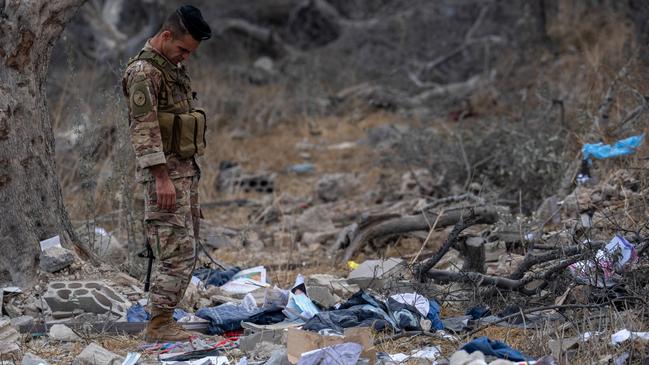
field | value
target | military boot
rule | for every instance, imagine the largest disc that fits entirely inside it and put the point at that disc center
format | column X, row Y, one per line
column 162, row 327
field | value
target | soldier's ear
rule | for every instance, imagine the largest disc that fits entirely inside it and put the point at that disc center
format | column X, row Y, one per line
column 167, row 35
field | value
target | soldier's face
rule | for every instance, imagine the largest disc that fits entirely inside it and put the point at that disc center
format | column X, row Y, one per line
column 178, row 49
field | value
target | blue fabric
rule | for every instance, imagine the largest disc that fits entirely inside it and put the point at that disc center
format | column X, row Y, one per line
column 478, row 312
column 495, row 348
column 215, row 277
column 622, row 147
column 228, row 317
column 137, row 313
column 434, row 315
column 179, row 313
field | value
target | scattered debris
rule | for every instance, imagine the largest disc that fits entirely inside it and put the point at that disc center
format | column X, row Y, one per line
column 94, row 354
column 54, row 257
column 63, row 333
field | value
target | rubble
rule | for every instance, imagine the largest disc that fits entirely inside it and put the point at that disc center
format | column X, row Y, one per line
column 65, row 297
column 63, row 333
column 331, row 187
column 376, row 273
column 9, row 340
column 53, row 259
column 31, row 359
column 94, row 354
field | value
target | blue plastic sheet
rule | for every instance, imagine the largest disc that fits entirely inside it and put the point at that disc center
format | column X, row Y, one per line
column 434, row 315
column 622, row 147
column 495, row 348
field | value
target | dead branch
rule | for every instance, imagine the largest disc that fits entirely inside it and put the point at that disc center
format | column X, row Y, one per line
column 531, row 259
column 461, row 225
column 453, row 199
column 401, row 225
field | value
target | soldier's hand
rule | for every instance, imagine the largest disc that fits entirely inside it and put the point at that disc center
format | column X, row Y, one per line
column 166, row 193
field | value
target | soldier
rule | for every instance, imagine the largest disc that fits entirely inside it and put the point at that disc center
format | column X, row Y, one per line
column 167, row 133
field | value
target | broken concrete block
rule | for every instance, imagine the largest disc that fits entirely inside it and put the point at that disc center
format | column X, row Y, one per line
column 94, row 354
column 376, row 273
column 55, row 258
column 64, row 297
column 9, row 337
column 338, row 286
column 322, row 296
column 31, row 359
column 63, row 333
column 249, row 343
column 7, row 332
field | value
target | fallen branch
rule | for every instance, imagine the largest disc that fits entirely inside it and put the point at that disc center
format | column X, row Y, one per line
column 401, row 225
column 460, row 226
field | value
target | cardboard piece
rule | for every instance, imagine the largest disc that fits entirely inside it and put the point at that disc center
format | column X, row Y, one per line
column 300, row 341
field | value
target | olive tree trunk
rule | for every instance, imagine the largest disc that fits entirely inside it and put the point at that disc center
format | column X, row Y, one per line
column 30, row 195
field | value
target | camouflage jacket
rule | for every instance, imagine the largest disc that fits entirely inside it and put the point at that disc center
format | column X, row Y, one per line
column 151, row 83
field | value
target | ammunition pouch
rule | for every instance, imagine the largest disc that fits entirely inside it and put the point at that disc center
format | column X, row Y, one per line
column 183, row 134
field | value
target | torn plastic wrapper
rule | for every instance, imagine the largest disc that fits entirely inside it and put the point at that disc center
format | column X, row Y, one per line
column 615, row 258
column 622, row 147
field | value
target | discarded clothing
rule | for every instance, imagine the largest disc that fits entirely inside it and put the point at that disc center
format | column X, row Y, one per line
column 414, row 299
column 434, row 315
column 478, row 312
column 358, row 316
column 341, row 354
column 137, row 313
column 494, row 348
column 622, row 147
column 228, row 317
column 216, row 277
column 363, row 310
column 406, row 316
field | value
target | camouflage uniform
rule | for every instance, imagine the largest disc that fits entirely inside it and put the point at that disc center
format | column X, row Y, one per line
column 153, row 84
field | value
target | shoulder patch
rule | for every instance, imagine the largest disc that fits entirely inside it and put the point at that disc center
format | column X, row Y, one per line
column 139, row 98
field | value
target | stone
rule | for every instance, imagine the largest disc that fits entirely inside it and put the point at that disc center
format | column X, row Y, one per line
column 419, row 182
column 314, row 219
column 376, row 274
column 9, row 338
column 55, row 258
column 339, row 287
column 265, row 63
column 31, row 359
column 331, row 187
column 322, row 296
column 249, row 343
column 63, row 333
column 385, row 136
column 22, row 321
column 94, row 354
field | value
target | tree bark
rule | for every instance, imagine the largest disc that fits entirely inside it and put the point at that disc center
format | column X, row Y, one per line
column 30, row 194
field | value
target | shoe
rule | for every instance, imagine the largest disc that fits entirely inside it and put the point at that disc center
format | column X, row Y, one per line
column 162, row 327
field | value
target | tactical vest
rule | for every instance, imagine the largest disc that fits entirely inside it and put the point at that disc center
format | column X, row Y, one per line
column 182, row 126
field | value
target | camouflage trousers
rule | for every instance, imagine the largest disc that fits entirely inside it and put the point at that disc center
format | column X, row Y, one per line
column 173, row 236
